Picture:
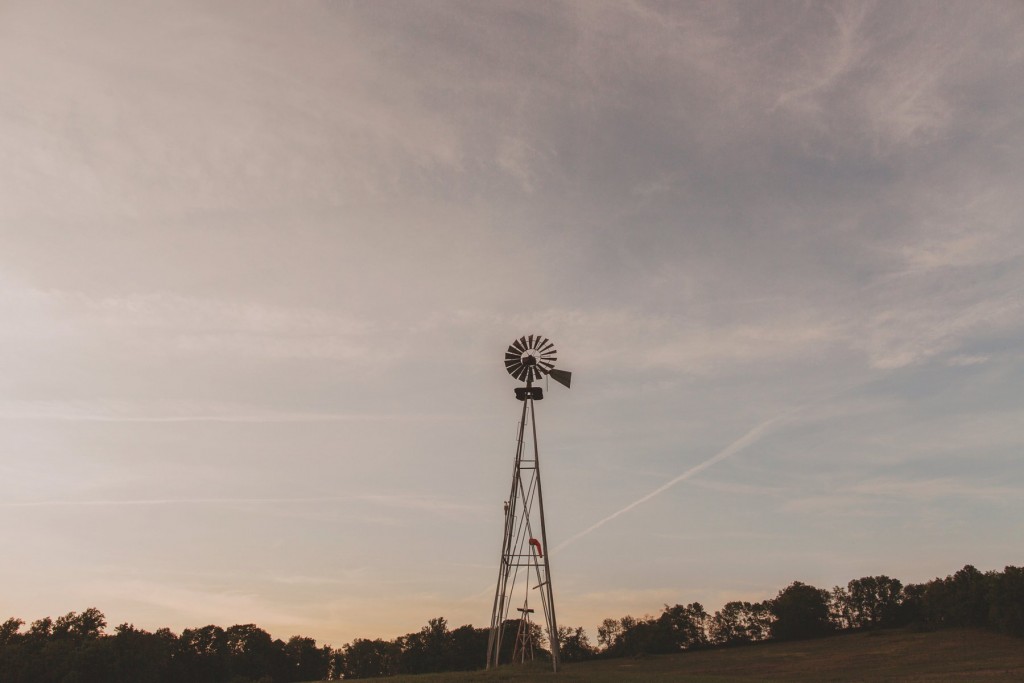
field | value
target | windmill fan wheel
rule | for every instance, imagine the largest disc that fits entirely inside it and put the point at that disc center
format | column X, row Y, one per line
column 530, row 358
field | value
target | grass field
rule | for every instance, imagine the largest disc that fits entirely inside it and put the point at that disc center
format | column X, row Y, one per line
column 952, row 655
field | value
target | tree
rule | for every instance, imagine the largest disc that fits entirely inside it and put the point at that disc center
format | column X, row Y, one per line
column 40, row 628
column 637, row 636
column 801, row 611
column 468, row 648
column 608, row 633
column 138, row 656
column 574, row 646
column 738, row 623
column 89, row 624
column 202, row 654
column 9, row 631
column 304, row 661
column 250, row 653
column 371, row 658
column 1006, row 601
column 631, row 636
column 839, row 608
column 874, row 601
column 680, row 628
column 958, row 600
column 428, row 650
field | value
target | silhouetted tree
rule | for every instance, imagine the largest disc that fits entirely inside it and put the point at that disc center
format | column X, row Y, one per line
column 1006, row 601
column 140, row 656
column 800, row 611
column 251, row 653
column 468, row 648
column 305, row 661
column 608, row 633
column 681, row 628
column 371, row 658
column 677, row 628
column 573, row 644
column 428, row 650
column 203, row 654
column 874, row 601
column 9, row 631
column 637, row 636
column 78, row 627
column 839, row 608
column 738, row 623
column 957, row 600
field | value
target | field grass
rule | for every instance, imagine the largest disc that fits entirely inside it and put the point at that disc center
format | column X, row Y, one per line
column 951, row 655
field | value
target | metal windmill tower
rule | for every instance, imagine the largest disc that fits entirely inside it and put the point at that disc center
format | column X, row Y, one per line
column 525, row 563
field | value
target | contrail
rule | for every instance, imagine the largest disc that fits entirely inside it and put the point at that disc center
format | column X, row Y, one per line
column 733, row 448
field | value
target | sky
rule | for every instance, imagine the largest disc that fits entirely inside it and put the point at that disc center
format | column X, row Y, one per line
column 260, row 262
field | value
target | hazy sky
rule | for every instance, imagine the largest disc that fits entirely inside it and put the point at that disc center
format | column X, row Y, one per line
column 259, row 264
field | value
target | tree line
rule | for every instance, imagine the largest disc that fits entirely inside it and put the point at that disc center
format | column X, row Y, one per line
column 76, row 648
column 992, row 600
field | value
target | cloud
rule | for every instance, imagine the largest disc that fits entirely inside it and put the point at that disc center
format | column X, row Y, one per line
column 901, row 335
column 414, row 502
column 195, row 605
column 231, row 237
column 124, row 412
column 173, row 323
column 938, row 488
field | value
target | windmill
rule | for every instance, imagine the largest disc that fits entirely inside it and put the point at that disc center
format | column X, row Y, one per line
column 525, row 562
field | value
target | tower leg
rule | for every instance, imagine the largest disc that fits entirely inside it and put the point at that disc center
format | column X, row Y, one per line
column 545, row 587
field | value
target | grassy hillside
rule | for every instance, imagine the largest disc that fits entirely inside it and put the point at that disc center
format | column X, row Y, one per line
column 952, row 655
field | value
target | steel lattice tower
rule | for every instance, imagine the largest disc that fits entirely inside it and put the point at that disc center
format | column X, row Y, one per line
column 525, row 563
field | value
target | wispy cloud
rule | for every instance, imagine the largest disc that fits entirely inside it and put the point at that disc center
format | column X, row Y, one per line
column 84, row 412
column 933, row 489
column 253, row 253
column 862, row 499
column 196, row 605
column 166, row 323
column 414, row 502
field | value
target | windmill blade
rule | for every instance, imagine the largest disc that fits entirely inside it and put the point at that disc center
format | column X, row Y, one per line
column 562, row 377
column 532, row 357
